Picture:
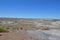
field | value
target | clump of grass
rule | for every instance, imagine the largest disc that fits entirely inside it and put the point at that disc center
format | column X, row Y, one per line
column 45, row 28
column 3, row 30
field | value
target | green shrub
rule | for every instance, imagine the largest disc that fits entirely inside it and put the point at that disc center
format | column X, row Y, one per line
column 3, row 29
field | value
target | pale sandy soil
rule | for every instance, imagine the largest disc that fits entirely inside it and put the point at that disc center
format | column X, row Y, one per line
column 53, row 32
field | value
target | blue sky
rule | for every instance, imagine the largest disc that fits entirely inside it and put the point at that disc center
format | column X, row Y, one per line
column 30, row 8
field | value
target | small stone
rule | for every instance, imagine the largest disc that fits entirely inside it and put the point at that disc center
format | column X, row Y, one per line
column 0, row 34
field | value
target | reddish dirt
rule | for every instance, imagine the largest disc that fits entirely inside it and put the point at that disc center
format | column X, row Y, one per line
column 14, row 36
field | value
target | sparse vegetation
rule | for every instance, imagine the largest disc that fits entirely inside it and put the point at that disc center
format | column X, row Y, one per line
column 46, row 28
column 3, row 29
column 25, row 28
